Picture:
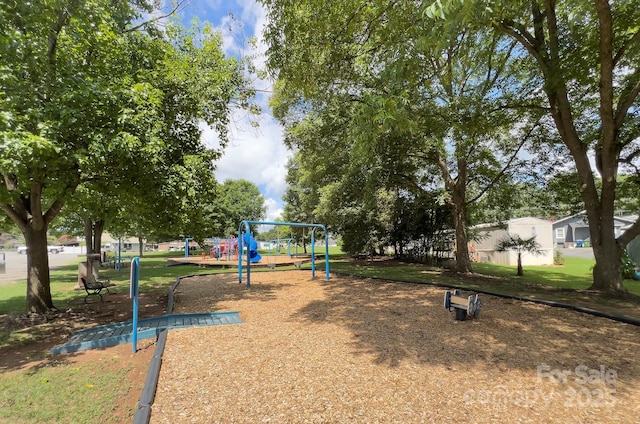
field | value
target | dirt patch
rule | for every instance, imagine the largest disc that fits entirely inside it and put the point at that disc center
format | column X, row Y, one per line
column 359, row 350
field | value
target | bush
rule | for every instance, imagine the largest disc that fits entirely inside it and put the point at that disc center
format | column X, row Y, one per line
column 628, row 267
column 558, row 258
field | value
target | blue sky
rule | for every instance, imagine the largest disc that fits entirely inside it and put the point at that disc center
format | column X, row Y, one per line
column 255, row 154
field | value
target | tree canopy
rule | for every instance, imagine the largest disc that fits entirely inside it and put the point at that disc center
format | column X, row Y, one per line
column 92, row 98
column 392, row 112
column 456, row 90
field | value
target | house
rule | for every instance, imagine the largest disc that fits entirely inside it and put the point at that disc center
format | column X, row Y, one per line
column 129, row 244
column 573, row 231
column 176, row 245
column 487, row 237
column 633, row 248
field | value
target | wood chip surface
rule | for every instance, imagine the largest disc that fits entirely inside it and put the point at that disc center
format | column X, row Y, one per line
column 355, row 350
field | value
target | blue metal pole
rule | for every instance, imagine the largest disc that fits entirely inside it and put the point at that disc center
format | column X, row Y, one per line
column 239, row 258
column 133, row 292
column 246, row 224
column 186, row 247
column 119, row 253
column 313, row 254
column 248, row 259
column 326, row 254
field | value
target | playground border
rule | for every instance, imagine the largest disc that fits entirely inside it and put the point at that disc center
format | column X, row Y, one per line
column 594, row 312
column 143, row 412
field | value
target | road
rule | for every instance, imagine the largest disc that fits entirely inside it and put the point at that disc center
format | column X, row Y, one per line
column 16, row 265
column 578, row 252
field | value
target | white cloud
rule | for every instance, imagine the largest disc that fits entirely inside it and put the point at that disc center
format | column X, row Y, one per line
column 273, row 210
column 254, row 154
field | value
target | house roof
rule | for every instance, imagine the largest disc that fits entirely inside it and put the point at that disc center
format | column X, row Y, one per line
column 570, row 217
column 513, row 221
column 631, row 219
column 626, row 219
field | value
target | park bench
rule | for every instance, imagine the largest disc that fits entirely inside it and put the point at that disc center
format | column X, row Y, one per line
column 94, row 287
column 469, row 306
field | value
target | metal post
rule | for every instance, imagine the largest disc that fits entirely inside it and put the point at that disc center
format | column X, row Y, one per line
column 119, row 253
column 133, row 293
column 326, row 255
column 313, row 253
column 246, row 224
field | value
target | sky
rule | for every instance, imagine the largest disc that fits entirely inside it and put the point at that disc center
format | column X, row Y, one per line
column 254, row 154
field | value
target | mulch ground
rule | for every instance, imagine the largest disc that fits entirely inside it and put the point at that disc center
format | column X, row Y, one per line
column 358, row 350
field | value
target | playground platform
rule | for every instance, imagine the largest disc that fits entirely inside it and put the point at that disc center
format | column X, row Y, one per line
column 121, row 332
column 266, row 262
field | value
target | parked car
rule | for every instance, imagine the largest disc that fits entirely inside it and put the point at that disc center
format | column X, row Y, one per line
column 51, row 249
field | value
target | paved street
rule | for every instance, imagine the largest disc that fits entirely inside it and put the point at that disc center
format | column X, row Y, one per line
column 16, row 265
column 578, row 252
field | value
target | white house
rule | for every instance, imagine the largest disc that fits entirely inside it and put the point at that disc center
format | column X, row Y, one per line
column 487, row 237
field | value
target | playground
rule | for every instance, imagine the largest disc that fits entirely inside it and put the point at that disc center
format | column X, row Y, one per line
column 265, row 262
column 359, row 350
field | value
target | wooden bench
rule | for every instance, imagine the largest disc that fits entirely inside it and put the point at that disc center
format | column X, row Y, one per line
column 469, row 306
column 94, row 287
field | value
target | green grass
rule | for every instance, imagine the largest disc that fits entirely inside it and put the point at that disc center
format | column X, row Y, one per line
column 154, row 275
column 574, row 274
column 60, row 392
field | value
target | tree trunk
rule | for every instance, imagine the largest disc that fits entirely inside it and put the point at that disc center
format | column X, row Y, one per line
column 140, row 247
column 88, row 235
column 457, row 189
column 93, row 235
column 607, row 274
column 463, row 263
column 27, row 213
column 599, row 204
column 98, row 229
column 520, row 271
column 38, row 280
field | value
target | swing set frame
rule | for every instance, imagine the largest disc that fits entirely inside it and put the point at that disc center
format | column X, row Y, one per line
column 247, row 230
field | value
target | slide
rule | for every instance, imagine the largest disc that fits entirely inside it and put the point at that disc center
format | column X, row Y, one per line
column 254, row 256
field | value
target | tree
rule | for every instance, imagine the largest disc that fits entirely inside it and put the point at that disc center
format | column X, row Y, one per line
column 520, row 245
column 55, row 83
column 414, row 105
column 238, row 200
column 107, row 104
column 586, row 55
